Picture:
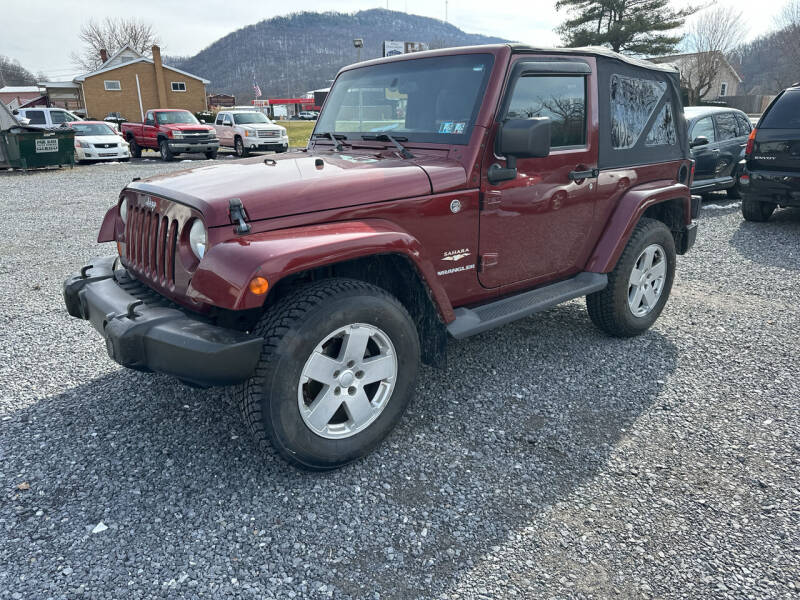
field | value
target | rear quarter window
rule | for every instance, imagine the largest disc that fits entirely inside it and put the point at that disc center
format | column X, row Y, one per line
column 784, row 112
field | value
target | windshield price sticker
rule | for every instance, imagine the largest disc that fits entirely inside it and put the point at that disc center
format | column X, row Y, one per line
column 47, row 145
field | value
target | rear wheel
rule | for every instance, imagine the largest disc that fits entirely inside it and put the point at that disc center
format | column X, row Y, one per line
column 238, row 146
column 136, row 151
column 166, row 153
column 639, row 285
column 757, row 210
column 336, row 373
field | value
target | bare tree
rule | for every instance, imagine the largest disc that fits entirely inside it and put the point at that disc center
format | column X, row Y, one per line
column 711, row 37
column 788, row 41
column 110, row 35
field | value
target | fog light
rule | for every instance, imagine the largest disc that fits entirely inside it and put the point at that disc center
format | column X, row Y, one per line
column 259, row 286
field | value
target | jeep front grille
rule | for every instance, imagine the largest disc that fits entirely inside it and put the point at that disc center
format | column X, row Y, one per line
column 152, row 240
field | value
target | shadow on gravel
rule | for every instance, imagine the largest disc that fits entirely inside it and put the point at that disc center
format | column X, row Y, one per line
column 775, row 243
column 521, row 416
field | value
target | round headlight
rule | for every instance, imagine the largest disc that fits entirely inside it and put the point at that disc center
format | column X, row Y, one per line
column 123, row 210
column 198, row 238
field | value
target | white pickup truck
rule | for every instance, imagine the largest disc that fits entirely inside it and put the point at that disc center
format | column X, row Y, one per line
column 249, row 130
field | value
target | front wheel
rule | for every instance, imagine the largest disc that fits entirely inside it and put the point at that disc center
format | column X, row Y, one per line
column 756, row 210
column 136, row 151
column 166, row 153
column 336, row 373
column 639, row 285
column 211, row 154
column 238, row 146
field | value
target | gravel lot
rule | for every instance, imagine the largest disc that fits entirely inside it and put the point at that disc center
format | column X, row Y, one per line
column 548, row 461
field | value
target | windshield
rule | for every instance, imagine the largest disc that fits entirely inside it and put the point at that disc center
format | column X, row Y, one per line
column 62, row 116
column 247, row 118
column 169, row 118
column 92, row 129
column 424, row 99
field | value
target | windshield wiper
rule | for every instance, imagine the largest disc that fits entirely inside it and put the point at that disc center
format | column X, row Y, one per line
column 334, row 137
column 385, row 137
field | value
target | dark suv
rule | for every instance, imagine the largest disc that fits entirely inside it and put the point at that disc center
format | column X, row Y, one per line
column 718, row 139
column 773, row 159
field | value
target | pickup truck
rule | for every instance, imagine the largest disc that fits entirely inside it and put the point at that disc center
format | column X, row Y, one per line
column 442, row 194
column 171, row 132
column 248, row 130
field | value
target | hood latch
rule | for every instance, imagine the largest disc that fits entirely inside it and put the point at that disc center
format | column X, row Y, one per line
column 238, row 216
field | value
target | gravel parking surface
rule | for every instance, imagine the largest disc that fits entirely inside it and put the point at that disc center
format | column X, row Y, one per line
column 547, row 461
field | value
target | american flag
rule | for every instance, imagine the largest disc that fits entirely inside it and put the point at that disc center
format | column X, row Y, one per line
column 256, row 89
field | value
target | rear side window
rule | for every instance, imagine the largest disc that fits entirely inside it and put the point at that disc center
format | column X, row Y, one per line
column 633, row 102
column 727, row 128
column 36, row 117
column 784, row 112
column 744, row 125
column 562, row 98
column 704, row 128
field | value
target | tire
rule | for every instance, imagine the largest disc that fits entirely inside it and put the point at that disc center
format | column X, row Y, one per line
column 238, row 147
column 757, row 210
column 276, row 402
column 611, row 309
column 136, row 151
column 211, row 155
column 166, row 153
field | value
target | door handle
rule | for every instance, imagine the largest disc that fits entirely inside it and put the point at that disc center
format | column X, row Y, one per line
column 576, row 175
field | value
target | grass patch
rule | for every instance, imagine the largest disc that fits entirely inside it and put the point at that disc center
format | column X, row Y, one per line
column 299, row 132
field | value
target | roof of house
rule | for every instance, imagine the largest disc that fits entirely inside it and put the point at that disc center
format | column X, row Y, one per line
column 112, row 63
column 676, row 57
column 20, row 89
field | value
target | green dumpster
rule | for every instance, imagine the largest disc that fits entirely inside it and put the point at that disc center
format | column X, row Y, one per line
column 30, row 148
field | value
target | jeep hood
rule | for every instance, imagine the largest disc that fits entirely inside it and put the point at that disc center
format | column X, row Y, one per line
column 299, row 182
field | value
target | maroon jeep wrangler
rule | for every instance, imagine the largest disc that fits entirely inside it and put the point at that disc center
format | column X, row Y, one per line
column 442, row 193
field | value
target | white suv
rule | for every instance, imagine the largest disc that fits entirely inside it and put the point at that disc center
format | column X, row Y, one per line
column 46, row 118
column 248, row 130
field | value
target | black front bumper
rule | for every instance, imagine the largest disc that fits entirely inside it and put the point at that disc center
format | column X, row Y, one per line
column 146, row 332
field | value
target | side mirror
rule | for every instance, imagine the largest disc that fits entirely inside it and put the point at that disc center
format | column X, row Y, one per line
column 700, row 140
column 520, row 138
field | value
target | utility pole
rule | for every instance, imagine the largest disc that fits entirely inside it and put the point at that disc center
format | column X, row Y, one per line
column 445, row 11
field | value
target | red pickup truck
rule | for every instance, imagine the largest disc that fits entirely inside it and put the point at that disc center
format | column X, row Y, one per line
column 443, row 193
column 171, row 132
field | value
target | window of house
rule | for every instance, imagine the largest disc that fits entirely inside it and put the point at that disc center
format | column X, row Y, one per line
column 633, row 101
column 36, row 117
column 704, row 128
column 723, row 89
column 562, row 98
column 178, row 86
column 112, row 85
column 727, row 128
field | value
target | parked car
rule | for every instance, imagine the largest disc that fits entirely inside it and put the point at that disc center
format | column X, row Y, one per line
column 171, row 132
column 96, row 140
column 249, row 130
column 46, row 118
column 317, row 281
column 772, row 158
column 718, row 137
column 307, row 115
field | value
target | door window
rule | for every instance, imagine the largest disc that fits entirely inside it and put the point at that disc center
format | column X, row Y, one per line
column 744, row 125
column 149, row 119
column 727, row 128
column 60, row 116
column 36, row 117
column 219, row 119
column 562, row 98
column 705, row 128
column 227, row 120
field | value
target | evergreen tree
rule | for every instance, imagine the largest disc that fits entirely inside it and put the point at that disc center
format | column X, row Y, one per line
column 644, row 27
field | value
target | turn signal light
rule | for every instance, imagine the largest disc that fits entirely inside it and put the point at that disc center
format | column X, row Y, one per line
column 259, row 286
column 751, row 142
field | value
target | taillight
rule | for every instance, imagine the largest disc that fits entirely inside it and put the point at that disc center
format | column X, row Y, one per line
column 751, row 141
column 691, row 177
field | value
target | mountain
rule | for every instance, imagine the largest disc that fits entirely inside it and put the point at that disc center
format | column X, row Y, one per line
column 12, row 73
column 300, row 52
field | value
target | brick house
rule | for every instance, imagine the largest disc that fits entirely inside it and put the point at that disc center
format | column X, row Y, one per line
column 130, row 83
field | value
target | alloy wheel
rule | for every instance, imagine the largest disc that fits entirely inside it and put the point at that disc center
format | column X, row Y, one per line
column 647, row 279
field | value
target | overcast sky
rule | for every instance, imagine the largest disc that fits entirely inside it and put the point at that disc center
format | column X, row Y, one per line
column 43, row 39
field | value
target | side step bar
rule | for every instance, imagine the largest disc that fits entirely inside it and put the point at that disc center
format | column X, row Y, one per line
column 470, row 321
